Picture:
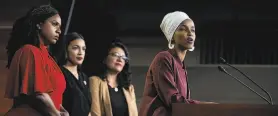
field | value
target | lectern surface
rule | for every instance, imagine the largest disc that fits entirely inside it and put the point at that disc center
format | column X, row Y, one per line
column 181, row 109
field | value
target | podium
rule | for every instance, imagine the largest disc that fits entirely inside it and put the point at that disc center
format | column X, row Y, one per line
column 181, row 109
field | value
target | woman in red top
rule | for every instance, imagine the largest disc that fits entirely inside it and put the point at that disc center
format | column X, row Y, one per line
column 35, row 82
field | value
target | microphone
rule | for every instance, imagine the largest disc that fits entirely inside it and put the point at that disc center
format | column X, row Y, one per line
column 224, row 62
column 222, row 69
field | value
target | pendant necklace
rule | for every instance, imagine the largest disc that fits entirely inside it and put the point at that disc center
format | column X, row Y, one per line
column 116, row 89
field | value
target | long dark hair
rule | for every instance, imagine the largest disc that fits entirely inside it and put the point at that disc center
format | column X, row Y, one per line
column 67, row 40
column 124, row 77
column 25, row 30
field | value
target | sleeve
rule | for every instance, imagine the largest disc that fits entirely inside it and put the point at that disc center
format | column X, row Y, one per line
column 191, row 101
column 94, row 84
column 32, row 73
column 164, row 82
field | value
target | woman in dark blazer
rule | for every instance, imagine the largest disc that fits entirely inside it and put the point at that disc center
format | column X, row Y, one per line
column 76, row 98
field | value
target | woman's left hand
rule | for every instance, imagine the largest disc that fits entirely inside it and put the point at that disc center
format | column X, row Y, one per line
column 208, row 103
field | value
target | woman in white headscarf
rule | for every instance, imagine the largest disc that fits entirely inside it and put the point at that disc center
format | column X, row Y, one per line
column 166, row 80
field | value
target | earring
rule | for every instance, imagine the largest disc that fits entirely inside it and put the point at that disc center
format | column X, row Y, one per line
column 38, row 26
column 66, row 56
column 170, row 45
column 192, row 49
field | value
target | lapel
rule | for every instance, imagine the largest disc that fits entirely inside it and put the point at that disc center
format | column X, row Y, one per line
column 70, row 78
column 106, row 99
column 128, row 95
column 130, row 100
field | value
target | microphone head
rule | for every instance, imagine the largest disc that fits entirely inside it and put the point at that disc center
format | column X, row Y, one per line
column 222, row 60
column 222, row 69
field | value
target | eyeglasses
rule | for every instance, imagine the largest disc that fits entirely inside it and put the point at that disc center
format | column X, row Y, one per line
column 115, row 54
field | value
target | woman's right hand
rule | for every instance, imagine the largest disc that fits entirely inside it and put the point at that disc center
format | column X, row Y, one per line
column 64, row 114
column 55, row 113
column 63, row 111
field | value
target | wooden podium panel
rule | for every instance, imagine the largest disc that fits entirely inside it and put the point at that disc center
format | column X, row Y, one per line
column 181, row 109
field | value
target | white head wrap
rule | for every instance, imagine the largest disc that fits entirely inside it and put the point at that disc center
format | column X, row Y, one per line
column 170, row 23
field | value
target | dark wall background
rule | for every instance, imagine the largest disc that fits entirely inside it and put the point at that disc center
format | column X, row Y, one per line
column 243, row 32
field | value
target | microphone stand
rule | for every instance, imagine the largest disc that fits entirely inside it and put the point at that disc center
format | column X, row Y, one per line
column 224, row 61
column 222, row 69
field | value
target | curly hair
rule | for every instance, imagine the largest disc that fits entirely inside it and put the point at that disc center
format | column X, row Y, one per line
column 124, row 77
column 25, row 30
